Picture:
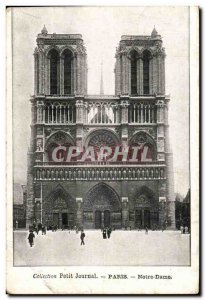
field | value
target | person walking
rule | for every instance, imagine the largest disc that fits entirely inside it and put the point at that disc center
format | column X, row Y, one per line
column 108, row 232
column 104, row 233
column 44, row 229
column 30, row 238
column 146, row 230
column 82, row 236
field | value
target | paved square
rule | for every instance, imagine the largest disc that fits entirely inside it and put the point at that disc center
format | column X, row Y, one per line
column 129, row 248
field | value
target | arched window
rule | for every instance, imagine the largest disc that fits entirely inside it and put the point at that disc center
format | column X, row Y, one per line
column 146, row 58
column 133, row 57
column 67, row 71
column 54, row 72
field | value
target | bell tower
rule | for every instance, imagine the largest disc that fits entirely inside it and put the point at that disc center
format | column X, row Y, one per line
column 60, row 64
column 139, row 68
column 140, row 84
column 60, row 80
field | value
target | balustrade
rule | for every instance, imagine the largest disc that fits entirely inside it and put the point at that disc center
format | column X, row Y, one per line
column 101, row 113
column 56, row 114
column 96, row 113
column 142, row 113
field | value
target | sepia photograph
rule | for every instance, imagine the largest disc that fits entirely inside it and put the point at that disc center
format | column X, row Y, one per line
column 101, row 168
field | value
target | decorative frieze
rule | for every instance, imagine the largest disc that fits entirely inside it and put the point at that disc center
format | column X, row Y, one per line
column 99, row 173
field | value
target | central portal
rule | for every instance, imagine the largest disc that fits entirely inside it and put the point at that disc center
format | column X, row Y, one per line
column 102, row 208
column 102, row 219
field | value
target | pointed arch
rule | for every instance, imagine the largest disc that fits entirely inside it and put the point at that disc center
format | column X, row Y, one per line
column 54, row 60
column 67, row 56
column 59, row 138
column 102, row 197
column 146, row 56
column 134, row 66
column 146, row 144
column 58, row 203
column 98, row 136
column 145, row 191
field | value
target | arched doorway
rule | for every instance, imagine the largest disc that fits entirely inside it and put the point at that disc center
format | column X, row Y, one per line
column 102, row 208
column 60, row 209
column 146, row 209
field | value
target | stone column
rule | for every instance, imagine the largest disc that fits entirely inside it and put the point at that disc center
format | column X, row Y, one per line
column 41, row 72
column 79, row 120
column 79, row 74
column 75, row 73
column 36, row 70
column 79, row 214
column 159, row 74
column 163, row 74
column 84, row 75
column 47, row 80
column 117, row 76
column 151, row 76
column 30, row 172
column 125, row 212
column 124, row 119
column 169, row 175
column 154, row 74
column 124, row 74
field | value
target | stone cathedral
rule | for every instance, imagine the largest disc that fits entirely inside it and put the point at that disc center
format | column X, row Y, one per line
column 93, row 194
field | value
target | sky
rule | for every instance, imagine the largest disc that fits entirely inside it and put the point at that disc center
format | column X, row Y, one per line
column 101, row 28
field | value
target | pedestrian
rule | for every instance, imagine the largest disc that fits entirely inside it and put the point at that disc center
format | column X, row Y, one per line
column 82, row 236
column 39, row 226
column 104, row 234
column 146, row 230
column 182, row 229
column 186, row 229
column 44, row 229
column 108, row 232
column 30, row 238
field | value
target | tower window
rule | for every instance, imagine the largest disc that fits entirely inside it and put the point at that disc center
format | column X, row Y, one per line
column 146, row 58
column 133, row 72
column 54, row 72
column 67, row 71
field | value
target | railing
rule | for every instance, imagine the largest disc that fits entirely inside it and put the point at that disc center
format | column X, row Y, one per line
column 100, row 173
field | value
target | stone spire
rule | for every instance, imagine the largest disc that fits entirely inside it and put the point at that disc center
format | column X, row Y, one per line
column 154, row 32
column 101, row 80
column 44, row 31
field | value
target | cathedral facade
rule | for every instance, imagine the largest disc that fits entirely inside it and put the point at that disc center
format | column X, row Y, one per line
column 98, row 193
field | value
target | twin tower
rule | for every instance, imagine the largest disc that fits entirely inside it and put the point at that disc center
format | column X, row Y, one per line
column 94, row 194
column 61, row 65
